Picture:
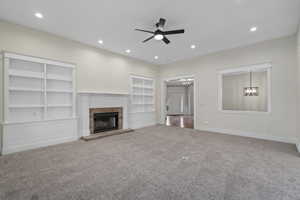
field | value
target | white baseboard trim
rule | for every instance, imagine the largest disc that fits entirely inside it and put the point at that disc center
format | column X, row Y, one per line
column 251, row 135
column 18, row 148
column 144, row 125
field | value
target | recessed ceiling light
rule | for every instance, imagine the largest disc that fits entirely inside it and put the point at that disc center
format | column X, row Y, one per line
column 100, row 41
column 128, row 51
column 253, row 29
column 193, row 46
column 155, row 57
column 39, row 15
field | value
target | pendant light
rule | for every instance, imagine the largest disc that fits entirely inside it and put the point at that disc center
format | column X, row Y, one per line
column 251, row 91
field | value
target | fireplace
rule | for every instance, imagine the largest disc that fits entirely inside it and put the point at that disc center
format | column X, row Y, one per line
column 105, row 119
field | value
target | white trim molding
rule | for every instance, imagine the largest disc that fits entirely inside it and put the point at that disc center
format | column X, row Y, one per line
column 254, row 68
column 247, row 68
column 163, row 95
column 37, row 59
column 298, row 147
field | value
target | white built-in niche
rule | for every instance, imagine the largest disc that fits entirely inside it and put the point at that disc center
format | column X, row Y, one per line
column 142, row 94
column 37, row 89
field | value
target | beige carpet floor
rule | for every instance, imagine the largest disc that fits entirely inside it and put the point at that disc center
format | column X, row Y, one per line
column 155, row 163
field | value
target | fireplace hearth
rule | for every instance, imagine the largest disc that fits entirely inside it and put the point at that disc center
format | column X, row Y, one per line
column 105, row 119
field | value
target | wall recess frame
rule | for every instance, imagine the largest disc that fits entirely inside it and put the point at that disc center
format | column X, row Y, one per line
column 266, row 66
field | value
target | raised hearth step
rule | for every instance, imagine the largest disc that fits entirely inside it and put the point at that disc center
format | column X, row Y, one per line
column 105, row 134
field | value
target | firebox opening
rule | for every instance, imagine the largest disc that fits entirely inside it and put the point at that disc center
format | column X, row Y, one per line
column 105, row 121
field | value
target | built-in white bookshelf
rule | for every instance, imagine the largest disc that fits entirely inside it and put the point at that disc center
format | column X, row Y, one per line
column 37, row 89
column 142, row 94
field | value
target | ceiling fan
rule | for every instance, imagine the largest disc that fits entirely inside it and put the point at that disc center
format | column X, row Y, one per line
column 160, row 34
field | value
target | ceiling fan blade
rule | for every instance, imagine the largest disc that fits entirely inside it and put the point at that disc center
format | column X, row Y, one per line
column 148, row 38
column 166, row 40
column 174, row 32
column 144, row 31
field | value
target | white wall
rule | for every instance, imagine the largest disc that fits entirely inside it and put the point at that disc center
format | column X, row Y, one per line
column 97, row 70
column 280, row 124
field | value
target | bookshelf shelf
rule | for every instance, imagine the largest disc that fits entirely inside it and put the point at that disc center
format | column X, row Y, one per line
column 25, row 74
column 59, row 91
column 142, row 95
column 59, row 78
column 37, row 89
column 25, row 89
column 26, row 106
column 59, row 105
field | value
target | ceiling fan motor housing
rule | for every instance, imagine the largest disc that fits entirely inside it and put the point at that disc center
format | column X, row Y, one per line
column 161, row 23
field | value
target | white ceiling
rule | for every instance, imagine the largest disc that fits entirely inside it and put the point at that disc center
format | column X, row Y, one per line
column 212, row 25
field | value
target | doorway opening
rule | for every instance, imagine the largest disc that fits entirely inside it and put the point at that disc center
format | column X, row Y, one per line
column 179, row 102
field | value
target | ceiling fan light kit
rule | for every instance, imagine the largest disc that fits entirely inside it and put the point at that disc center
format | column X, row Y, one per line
column 158, row 37
column 159, row 34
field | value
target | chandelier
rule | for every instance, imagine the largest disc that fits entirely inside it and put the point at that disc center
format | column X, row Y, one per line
column 250, row 91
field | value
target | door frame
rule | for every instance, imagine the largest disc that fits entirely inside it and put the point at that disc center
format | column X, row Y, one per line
column 163, row 99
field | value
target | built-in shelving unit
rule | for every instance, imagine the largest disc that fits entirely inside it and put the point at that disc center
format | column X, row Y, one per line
column 37, row 89
column 142, row 94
